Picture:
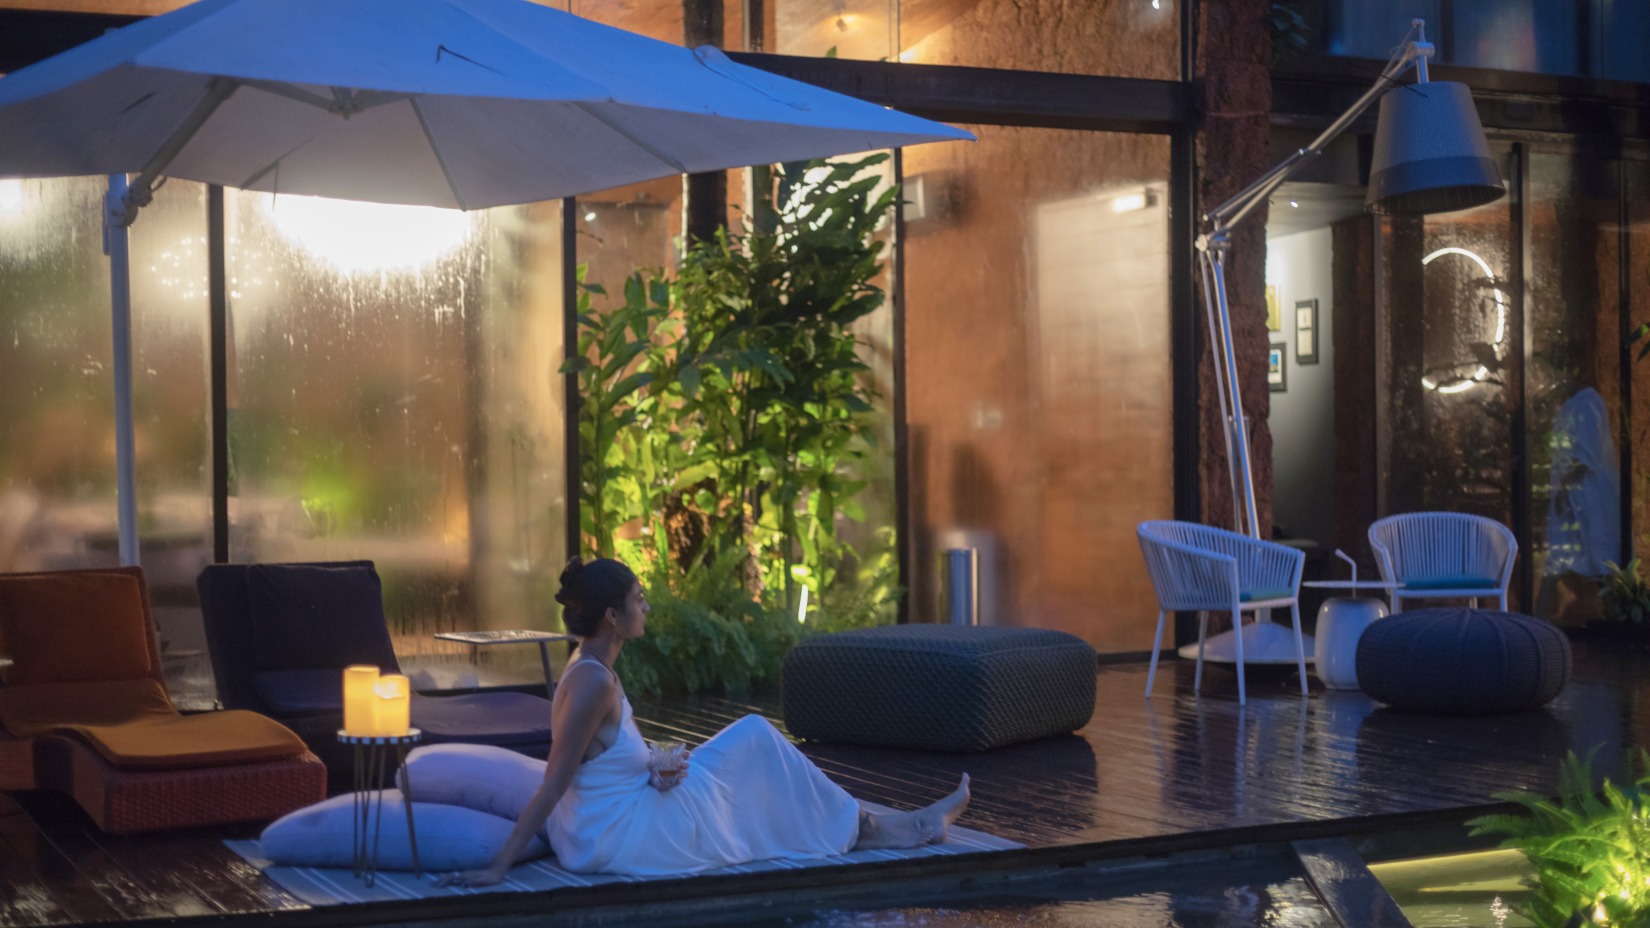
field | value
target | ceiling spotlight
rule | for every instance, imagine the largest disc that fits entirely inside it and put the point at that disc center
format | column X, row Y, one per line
column 1295, row 204
column 590, row 216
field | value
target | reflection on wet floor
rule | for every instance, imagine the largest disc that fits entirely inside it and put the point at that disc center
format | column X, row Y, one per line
column 1204, row 894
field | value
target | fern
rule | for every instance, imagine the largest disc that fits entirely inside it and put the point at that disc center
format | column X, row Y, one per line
column 1589, row 848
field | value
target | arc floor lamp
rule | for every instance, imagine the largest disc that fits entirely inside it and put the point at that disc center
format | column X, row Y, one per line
column 1430, row 157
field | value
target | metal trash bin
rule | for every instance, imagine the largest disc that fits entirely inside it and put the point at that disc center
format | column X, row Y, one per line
column 962, row 586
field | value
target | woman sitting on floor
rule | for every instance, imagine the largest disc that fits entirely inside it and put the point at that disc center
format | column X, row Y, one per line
column 749, row 794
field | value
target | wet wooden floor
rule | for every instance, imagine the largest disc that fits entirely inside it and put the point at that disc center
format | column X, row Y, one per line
column 1142, row 777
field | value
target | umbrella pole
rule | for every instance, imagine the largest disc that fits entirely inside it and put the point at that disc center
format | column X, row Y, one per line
column 115, row 243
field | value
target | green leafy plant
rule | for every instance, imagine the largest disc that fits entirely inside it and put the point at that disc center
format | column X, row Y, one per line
column 726, row 423
column 1590, row 850
column 1625, row 598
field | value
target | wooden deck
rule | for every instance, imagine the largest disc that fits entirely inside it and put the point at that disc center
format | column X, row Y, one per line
column 1177, row 773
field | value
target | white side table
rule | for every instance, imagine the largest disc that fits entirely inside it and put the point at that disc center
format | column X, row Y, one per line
column 1341, row 622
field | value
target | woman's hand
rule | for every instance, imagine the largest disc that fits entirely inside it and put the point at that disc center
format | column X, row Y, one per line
column 471, row 878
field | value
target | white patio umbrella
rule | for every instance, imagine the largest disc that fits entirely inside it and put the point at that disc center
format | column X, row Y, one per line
column 455, row 103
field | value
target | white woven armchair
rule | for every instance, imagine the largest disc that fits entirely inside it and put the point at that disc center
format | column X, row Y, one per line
column 1200, row 568
column 1444, row 554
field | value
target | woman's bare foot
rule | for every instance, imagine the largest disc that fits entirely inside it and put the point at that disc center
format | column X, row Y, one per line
column 927, row 825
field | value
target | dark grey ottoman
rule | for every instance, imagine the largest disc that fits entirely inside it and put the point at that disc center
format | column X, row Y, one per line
column 939, row 687
column 1463, row 661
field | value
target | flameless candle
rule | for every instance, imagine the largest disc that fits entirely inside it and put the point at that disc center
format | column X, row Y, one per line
column 360, row 698
column 392, row 715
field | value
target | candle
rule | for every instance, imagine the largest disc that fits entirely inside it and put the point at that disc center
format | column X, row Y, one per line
column 359, row 698
column 392, row 715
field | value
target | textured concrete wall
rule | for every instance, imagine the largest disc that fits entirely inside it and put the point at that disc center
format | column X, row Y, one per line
column 1232, row 65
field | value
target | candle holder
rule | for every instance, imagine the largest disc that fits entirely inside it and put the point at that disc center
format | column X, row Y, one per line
column 370, row 757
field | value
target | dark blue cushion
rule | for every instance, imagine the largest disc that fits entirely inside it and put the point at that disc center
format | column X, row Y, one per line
column 311, row 618
column 502, row 719
column 1463, row 661
column 300, row 692
column 1453, row 583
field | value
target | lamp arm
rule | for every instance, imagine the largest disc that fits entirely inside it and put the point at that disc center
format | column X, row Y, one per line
column 1415, row 50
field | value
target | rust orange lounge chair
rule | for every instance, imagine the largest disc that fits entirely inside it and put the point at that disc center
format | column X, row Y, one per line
column 84, row 710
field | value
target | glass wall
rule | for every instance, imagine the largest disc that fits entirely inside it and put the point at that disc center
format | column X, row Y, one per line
column 57, row 458
column 1038, row 372
column 1598, row 38
column 1572, row 383
column 396, row 397
column 1450, row 377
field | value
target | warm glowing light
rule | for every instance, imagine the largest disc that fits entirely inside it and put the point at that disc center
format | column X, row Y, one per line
column 1482, row 373
column 11, row 197
column 1129, row 202
column 360, row 697
column 360, row 237
column 392, row 711
column 1295, row 204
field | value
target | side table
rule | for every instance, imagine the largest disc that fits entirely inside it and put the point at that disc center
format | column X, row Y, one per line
column 1341, row 622
column 369, row 758
column 513, row 636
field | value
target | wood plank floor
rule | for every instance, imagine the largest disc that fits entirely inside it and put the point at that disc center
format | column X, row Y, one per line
column 1141, row 772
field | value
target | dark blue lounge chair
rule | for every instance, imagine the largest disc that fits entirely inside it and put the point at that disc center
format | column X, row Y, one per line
column 281, row 634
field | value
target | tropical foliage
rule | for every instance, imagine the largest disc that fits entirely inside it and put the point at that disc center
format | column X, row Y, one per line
column 725, row 423
column 1590, row 850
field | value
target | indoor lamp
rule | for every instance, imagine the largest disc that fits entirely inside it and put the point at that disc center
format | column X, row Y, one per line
column 1430, row 157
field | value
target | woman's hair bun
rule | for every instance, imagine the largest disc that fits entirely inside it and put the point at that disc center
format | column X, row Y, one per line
column 567, row 595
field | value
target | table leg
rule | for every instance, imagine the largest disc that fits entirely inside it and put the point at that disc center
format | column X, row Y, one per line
column 544, row 658
column 358, row 820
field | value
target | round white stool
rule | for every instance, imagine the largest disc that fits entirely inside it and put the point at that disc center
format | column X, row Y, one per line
column 1341, row 622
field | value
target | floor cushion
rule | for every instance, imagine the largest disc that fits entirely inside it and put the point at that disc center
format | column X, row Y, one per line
column 939, row 687
column 1462, row 661
column 449, row 837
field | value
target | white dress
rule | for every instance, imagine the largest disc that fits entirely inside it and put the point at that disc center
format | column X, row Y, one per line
column 749, row 795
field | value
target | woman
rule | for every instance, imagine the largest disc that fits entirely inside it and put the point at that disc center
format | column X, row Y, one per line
column 748, row 794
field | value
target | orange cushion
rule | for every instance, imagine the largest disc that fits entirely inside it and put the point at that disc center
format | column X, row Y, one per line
column 210, row 739
column 133, row 725
column 28, row 711
column 67, row 628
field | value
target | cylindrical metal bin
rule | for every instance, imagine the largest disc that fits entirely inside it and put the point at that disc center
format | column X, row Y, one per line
column 962, row 586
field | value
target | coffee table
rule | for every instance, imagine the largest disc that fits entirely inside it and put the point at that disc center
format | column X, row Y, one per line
column 513, row 636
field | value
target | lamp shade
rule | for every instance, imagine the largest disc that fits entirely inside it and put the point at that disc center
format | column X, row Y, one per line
column 1430, row 153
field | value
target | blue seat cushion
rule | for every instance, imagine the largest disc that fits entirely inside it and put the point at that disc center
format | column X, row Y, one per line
column 309, row 618
column 301, row 692
column 1261, row 595
column 482, row 718
column 1456, row 582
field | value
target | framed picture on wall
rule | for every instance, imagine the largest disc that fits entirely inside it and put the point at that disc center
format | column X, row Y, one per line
column 1274, row 310
column 1277, row 373
column 1306, row 332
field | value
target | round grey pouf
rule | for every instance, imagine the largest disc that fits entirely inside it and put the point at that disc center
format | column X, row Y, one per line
column 1463, row 661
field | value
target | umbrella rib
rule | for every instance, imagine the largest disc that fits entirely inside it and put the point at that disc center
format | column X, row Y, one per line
column 436, row 150
column 634, row 140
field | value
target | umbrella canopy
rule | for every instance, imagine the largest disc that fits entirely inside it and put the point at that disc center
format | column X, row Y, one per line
column 455, row 103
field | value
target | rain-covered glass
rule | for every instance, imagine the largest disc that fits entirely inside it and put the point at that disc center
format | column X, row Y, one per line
column 680, row 22
column 1139, row 38
column 1573, row 312
column 57, row 458
column 1600, row 38
column 1450, row 362
column 1039, row 373
column 395, row 397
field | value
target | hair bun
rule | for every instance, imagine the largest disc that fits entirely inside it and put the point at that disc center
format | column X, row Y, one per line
column 570, row 578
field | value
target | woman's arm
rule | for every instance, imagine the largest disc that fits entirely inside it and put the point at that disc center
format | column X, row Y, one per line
column 589, row 699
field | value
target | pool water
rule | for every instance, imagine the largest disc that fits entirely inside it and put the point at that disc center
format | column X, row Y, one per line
column 1477, row 890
